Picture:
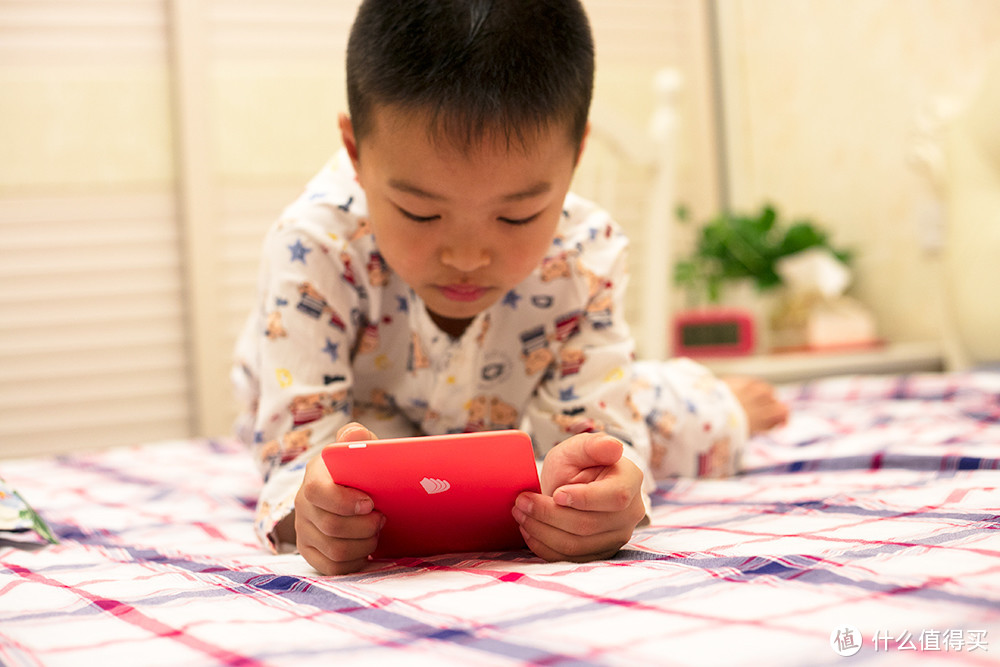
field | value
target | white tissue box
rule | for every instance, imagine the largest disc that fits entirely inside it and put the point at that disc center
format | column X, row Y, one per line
column 818, row 323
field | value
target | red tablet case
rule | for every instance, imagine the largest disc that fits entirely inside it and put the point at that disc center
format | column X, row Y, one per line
column 441, row 494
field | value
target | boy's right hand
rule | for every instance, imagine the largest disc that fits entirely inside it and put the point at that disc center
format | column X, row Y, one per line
column 336, row 527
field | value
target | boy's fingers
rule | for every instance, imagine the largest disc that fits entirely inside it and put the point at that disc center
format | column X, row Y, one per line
column 347, row 527
column 343, row 501
column 333, row 556
column 607, row 495
column 354, row 432
column 346, row 502
column 334, row 498
column 579, row 459
column 334, row 548
column 532, row 507
column 328, row 567
column 588, row 450
column 543, row 550
column 588, row 538
column 615, row 490
column 320, row 490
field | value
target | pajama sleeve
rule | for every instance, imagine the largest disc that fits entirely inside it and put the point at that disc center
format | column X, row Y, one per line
column 302, row 337
column 588, row 389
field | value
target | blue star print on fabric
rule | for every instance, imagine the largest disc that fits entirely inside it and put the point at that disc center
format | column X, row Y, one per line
column 331, row 349
column 511, row 299
column 568, row 394
column 402, row 305
column 299, row 251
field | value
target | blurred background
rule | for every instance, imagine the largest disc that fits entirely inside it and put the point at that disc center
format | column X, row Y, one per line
column 146, row 145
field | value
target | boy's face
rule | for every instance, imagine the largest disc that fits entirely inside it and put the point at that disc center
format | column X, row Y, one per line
column 460, row 227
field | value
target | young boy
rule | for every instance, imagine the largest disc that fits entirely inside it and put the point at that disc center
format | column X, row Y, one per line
column 437, row 277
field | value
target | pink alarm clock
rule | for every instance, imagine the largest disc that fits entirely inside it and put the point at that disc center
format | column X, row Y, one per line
column 714, row 332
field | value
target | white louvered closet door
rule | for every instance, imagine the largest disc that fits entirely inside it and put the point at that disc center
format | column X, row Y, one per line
column 92, row 340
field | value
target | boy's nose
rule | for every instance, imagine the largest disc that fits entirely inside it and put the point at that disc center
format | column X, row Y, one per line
column 465, row 256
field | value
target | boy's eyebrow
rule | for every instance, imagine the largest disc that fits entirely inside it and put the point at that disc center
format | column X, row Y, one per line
column 410, row 188
column 539, row 188
column 533, row 191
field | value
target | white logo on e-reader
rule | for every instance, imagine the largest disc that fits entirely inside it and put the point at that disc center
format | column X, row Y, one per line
column 432, row 485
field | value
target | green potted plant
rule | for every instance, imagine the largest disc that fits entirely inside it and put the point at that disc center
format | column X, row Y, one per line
column 734, row 247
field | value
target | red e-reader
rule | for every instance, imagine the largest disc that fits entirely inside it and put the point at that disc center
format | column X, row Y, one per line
column 440, row 494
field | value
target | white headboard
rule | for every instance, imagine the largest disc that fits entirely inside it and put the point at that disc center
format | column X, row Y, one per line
column 629, row 169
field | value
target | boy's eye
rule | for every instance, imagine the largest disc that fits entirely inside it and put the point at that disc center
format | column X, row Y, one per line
column 418, row 218
column 519, row 221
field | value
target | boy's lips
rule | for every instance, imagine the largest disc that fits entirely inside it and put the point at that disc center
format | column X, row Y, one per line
column 463, row 292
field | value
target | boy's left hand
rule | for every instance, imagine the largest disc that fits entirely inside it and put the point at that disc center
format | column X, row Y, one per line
column 591, row 501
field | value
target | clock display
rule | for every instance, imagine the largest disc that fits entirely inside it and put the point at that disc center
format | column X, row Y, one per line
column 714, row 332
column 721, row 333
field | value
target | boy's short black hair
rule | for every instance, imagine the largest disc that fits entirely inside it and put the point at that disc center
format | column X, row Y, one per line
column 478, row 68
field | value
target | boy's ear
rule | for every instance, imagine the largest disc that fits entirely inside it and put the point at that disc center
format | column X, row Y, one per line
column 347, row 136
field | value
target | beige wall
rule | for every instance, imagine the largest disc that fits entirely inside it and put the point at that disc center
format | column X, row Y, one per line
column 822, row 99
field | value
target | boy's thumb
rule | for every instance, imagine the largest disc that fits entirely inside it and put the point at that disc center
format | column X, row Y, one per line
column 595, row 449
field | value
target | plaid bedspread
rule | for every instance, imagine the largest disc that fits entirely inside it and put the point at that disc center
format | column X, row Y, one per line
column 870, row 524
